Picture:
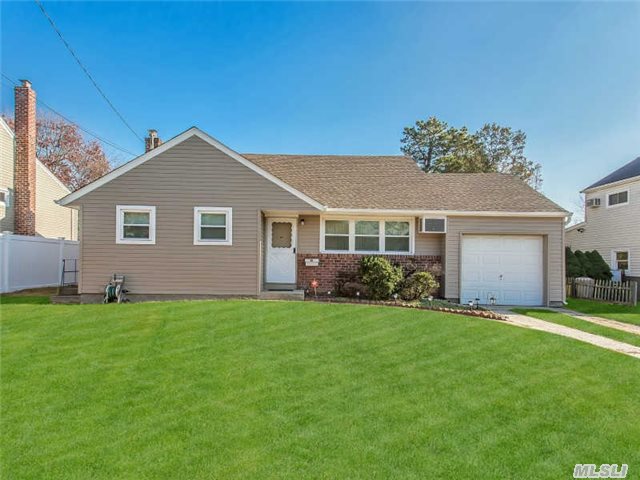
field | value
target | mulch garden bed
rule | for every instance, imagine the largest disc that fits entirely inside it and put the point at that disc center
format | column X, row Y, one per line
column 482, row 313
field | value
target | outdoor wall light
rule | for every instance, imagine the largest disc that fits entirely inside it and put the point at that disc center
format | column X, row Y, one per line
column 302, row 222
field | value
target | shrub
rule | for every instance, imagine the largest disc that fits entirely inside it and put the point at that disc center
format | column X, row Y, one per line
column 379, row 276
column 598, row 268
column 586, row 264
column 418, row 286
column 351, row 289
column 573, row 266
column 343, row 279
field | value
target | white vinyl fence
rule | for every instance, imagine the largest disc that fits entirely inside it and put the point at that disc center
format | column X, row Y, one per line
column 32, row 262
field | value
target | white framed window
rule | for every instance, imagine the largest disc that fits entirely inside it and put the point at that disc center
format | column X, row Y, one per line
column 212, row 226
column 136, row 224
column 367, row 235
column 397, row 236
column 618, row 198
column 336, row 237
column 620, row 260
column 4, row 197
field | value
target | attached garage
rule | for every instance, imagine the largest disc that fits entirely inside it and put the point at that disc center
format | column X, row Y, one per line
column 508, row 268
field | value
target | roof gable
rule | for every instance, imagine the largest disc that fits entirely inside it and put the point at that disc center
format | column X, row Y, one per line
column 193, row 131
column 630, row 170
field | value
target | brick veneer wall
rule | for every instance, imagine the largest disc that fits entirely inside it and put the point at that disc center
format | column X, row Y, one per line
column 332, row 263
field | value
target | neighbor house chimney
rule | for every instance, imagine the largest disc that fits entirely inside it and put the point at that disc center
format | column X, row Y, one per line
column 25, row 162
column 152, row 141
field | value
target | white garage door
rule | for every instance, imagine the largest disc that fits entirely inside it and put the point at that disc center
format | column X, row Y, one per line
column 506, row 267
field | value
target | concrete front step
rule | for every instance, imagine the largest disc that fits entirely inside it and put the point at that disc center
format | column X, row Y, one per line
column 282, row 295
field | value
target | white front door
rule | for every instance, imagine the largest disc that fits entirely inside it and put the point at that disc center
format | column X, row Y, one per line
column 281, row 250
column 508, row 268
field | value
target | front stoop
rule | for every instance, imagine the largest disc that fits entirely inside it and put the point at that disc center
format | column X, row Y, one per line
column 282, row 295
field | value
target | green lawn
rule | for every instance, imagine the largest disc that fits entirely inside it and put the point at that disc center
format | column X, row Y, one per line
column 24, row 299
column 569, row 321
column 622, row 313
column 248, row 389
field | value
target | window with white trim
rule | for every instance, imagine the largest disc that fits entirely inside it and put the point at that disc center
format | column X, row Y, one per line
column 336, row 235
column 397, row 236
column 367, row 235
column 136, row 224
column 618, row 198
column 4, row 197
column 212, row 226
column 621, row 260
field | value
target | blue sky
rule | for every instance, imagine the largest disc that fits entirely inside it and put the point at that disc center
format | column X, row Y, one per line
column 314, row 77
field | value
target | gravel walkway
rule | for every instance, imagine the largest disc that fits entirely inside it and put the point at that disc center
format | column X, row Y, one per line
column 597, row 340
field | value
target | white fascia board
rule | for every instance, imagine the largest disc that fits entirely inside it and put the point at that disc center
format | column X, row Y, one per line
column 452, row 213
column 7, row 128
column 611, row 185
column 573, row 227
column 193, row 131
column 52, row 175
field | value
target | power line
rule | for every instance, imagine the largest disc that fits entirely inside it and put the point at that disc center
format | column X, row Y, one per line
column 85, row 130
column 84, row 69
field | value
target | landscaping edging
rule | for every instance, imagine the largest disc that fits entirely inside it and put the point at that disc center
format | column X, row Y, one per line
column 488, row 314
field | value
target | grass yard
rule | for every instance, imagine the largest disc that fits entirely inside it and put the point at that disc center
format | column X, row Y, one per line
column 569, row 321
column 248, row 389
column 622, row 313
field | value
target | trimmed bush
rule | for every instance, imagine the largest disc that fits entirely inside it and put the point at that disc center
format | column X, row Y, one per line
column 586, row 264
column 418, row 286
column 574, row 266
column 379, row 276
column 598, row 268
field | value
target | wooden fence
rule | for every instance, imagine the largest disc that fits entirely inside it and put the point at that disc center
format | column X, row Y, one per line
column 603, row 290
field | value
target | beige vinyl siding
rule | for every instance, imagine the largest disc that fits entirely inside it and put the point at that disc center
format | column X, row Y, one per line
column 6, row 178
column 309, row 235
column 613, row 228
column 551, row 228
column 53, row 220
column 309, row 238
column 193, row 173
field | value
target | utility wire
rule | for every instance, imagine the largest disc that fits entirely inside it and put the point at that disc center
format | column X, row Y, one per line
column 88, row 132
column 84, row 69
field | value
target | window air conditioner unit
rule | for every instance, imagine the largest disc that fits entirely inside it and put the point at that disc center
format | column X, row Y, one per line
column 593, row 202
column 433, row 225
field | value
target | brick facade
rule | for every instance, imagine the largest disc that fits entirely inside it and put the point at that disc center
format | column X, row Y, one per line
column 25, row 160
column 332, row 263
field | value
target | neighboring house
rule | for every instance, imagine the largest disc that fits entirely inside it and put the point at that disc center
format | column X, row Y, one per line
column 612, row 220
column 193, row 218
column 28, row 189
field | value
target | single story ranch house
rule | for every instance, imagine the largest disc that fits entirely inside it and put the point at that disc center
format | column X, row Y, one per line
column 192, row 218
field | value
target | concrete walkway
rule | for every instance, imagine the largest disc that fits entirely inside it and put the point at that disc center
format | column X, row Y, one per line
column 597, row 340
column 605, row 322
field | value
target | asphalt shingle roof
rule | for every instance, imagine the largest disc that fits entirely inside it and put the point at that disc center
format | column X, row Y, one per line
column 631, row 169
column 396, row 182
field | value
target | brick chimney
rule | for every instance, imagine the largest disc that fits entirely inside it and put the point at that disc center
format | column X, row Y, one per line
column 25, row 161
column 152, row 141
